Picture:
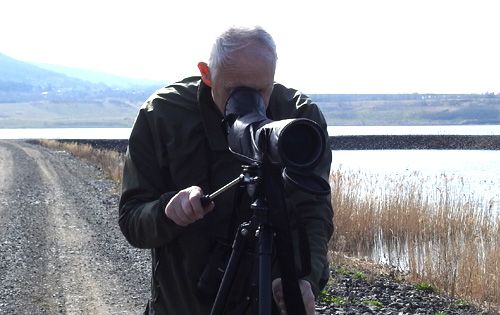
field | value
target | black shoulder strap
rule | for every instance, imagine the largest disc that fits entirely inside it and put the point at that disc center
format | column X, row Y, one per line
column 274, row 191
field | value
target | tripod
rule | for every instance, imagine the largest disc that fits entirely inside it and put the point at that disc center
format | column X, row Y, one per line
column 261, row 226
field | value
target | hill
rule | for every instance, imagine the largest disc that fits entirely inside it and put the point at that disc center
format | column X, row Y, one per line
column 21, row 82
column 33, row 96
column 102, row 78
column 409, row 109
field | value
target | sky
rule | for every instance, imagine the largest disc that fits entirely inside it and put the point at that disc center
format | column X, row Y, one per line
column 329, row 46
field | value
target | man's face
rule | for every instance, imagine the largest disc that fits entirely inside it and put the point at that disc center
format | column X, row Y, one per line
column 250, row 67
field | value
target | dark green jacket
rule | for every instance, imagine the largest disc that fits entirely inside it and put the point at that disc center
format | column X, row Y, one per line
column 177, row 142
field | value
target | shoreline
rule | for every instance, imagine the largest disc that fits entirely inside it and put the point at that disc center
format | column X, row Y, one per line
column 364, row 142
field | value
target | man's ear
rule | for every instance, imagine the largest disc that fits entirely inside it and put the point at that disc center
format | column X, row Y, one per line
column 205, row 73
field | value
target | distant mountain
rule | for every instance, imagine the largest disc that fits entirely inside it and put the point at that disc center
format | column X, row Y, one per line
column 18, row 71
column 103, row 78
column 21, row 81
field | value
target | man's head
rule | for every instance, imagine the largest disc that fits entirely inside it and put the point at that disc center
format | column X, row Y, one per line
column 240, row 57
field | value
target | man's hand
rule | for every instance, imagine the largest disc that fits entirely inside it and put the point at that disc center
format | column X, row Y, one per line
column 185, row 207
column 305, row 289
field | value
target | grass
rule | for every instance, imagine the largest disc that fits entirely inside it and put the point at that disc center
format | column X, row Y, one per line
column 424, row 286
column 326, row 297
column 375, row 303
column 358, row 275
column 443, row 241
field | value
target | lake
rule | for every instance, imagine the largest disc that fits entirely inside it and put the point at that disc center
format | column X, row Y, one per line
column 484, row 130
column 123, row 133
column 475, row 172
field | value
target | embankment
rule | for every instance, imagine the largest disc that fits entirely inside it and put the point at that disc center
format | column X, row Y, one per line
column 371, row 142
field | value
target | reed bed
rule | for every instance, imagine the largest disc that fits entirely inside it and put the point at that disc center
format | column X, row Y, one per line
column 427, row 228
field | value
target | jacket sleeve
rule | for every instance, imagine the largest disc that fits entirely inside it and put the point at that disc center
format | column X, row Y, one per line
column 146, row 188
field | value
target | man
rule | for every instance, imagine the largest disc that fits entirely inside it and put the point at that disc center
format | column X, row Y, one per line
column 178, row 152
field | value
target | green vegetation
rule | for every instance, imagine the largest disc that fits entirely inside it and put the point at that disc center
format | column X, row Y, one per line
column 343, row 271
column 359, row 275
column 375, row 303
column 326, row 297
column 424, row 286
column 462, row 303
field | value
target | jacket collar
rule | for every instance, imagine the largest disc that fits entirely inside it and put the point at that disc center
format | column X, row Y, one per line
column 212, row 119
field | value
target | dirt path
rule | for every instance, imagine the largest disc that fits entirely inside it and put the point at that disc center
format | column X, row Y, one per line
column 61, row 250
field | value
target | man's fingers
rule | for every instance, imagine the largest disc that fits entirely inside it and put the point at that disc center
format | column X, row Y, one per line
column 305, row 290
column 185, row 212
column 307, row 296
column 185, row 207
column 277, row 289
column 195, row 210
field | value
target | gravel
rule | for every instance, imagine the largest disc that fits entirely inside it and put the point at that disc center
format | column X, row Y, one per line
column 60, row 244
column 61, row 250
column 353, row 293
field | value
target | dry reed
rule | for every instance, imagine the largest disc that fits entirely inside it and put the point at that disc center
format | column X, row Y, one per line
column 446, row 238
column 111, row 162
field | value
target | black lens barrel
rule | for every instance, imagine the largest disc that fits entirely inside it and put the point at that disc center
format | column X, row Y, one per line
column 297, row 143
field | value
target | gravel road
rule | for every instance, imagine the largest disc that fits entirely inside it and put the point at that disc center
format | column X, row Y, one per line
column 61, row 251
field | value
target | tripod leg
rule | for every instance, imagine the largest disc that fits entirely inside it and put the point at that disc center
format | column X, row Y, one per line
column 264, row 251
column 231, row 269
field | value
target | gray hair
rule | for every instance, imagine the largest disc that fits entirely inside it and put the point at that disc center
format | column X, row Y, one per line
column 237, row 38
